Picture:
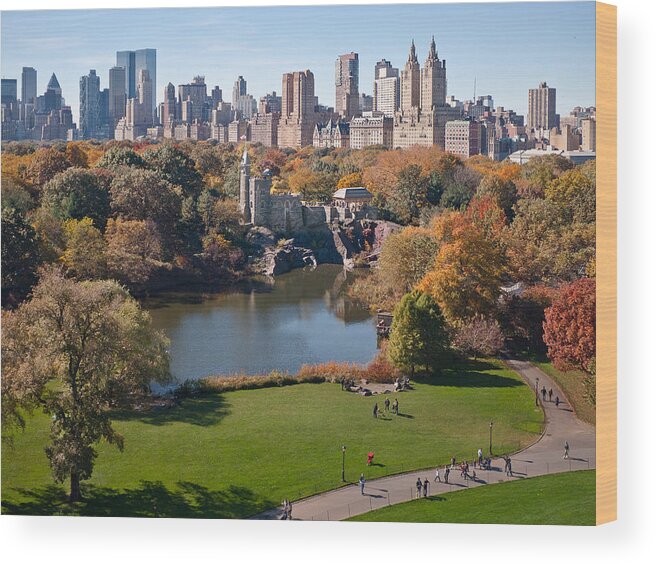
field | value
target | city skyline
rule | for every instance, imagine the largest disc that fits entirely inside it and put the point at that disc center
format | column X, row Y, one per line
column 561, row 53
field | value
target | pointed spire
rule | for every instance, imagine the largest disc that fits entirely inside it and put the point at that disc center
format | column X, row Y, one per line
column 53, row 83
column 412, row 57
column 432, row 51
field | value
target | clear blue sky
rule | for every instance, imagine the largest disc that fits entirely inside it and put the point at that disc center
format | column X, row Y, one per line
column 507, row 47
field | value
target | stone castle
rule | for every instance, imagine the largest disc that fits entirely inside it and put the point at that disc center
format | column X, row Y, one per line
column 288, row 212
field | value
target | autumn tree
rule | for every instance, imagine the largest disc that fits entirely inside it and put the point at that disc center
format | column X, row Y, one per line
column 44, row 165
column 134, row 249
column 569, row 327
column 478, row 337
column 536, row 175
column 418, row 336
column 116, row 157
column 405, row 258
column 574, row 193
column 85, row 256
column 502, row 191
column 77, row 350
column 352, row 179
column 466, row 277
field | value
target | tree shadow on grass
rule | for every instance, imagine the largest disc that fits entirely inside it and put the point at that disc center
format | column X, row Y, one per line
column 151, row 499
column 472, row 373
column 201, row 410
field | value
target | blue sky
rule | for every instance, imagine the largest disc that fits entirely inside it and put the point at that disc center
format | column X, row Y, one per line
column 507, row 47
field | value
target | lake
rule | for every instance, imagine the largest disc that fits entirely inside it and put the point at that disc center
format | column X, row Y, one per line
column 300, row 317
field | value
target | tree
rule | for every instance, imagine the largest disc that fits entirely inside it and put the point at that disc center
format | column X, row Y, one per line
column 20, row 255
column 539, row 172
column 175, row 167
column 142, row 195
column 569, row 327
column 467, row 274
column 503, row 191
column 479, row 336
column 76, row 156
column 352, row 179
column 77, row 350
column 134, row 249
column 459, row 188
column 117, row 157
column 15, row 196
column 418, row 337
column 85, row 256
column 405, row 258
column 76, row 194
column 575, row 194
column 410, row 195
column 45, row 164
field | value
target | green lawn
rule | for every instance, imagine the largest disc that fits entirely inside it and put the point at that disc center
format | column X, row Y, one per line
column 235, row 454
column 563, row 499
column 572, row 384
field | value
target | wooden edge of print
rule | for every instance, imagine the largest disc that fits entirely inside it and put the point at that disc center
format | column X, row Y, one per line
column 606, row 167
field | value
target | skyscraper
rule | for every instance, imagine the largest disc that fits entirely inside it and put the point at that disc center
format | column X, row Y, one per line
column 410, row 82
column 135, row 61
column 386, row 88
column 28, row 85
column 239, row 89
column 347, row 79
column 194, row 92
column 298, row 117
column 89, row 104
column 433, row 80
column 169, row 110
column 117, row 94
column 52, row 99
column 541, row 108
column 9, row 91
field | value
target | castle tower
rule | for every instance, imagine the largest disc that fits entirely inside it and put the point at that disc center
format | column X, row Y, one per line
column 410, row 82
column 244, row 187
column 433, row 81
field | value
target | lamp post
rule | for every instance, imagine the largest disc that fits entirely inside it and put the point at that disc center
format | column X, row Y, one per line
column 343, row 462
column 537, row 384
column 491, row 424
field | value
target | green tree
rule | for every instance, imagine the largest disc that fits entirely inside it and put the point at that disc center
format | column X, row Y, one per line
column 410, row 195
column 77, row 350
column 76, row 194
column 503, row 191
column 176, row 167
column 419, row 336
column 20, row 256
column 117, row 157
column 574, row 193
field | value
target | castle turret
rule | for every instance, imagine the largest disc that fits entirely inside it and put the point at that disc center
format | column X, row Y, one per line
column 244, row 184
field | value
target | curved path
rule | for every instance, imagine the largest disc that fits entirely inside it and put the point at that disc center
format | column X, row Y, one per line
column 543, row 457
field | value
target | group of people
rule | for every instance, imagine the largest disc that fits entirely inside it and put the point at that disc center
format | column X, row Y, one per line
column 394, row 405
column 549, row 393
column 286, row 509
column 422, row 487
column 401, row 383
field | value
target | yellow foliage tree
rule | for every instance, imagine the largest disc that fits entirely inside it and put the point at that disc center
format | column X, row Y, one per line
column 354, row 179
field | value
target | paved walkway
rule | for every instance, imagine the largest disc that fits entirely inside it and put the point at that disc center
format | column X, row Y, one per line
column 543, row 457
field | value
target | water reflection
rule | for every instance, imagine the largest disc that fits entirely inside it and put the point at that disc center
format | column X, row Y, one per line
column 302, row 317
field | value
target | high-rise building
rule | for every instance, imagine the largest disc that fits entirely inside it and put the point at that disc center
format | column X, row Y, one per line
column 89, row 105
column 411, row 82
column 135, row 61
column 9, row 91
column 541, row 108
column 238, row 89
column 270, row 104
column 168, row 113
column 386, row 88
column 145, row 96
column 196, row 93
column 52, row 99
column 217, row 96
column 463, row 138
column 117, row 94
column 298, row 117
column 28, row 85
column 372, row 128
column 347, row 79
column 589, row 134
column 433, row 81
column 424, row 111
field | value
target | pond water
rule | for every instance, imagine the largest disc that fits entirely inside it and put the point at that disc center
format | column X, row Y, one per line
column 301, row 317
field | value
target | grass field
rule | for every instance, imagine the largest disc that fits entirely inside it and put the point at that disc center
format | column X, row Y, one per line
column 563, row 499
column 572, row 384
column 237, row 453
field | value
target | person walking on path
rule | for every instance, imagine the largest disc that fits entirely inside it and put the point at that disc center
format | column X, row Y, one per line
column 437, row 475
column 453, row 462
column 289, row 510
column 425, row 487
column 557, row 401
column 566, row 456
column 419, row 485
column 544, row 393
column 550, row 394
column 284, row 509
column 361, row 482
column 480, row 456
column 447, row 470
column 509, row 473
